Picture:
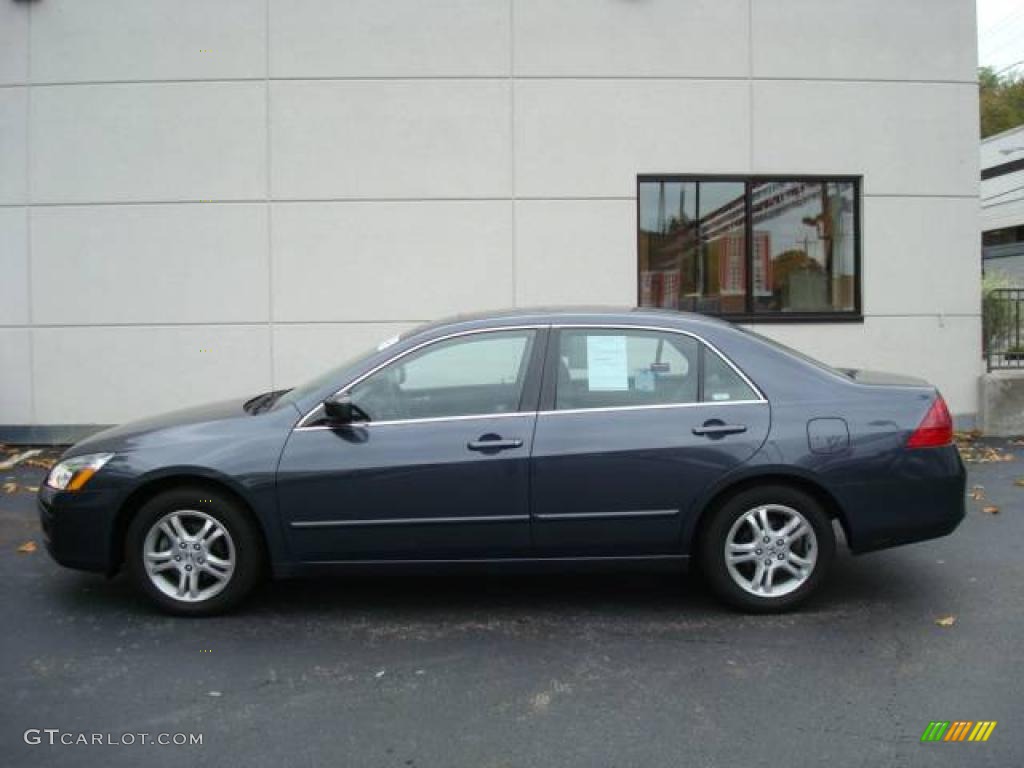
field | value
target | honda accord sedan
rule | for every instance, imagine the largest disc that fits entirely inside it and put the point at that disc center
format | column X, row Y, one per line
column 531, row 436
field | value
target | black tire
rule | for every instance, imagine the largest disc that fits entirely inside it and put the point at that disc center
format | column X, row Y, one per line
column 714, row 535
column 247, row 546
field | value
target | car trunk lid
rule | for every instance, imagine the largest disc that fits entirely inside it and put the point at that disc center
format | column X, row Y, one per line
column 883, row 378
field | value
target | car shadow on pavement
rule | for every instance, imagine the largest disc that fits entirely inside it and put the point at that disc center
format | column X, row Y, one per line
column 880, row 580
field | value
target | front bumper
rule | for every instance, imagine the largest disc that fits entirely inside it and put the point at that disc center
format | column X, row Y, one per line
column 78, row 528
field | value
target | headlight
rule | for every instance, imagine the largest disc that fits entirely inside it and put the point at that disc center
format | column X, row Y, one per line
column 72, row 474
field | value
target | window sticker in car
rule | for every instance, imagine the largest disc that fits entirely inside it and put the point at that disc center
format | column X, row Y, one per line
column 607, row 364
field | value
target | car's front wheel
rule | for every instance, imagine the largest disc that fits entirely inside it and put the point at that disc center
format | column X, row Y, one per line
column 767, row 548
column 193, row 551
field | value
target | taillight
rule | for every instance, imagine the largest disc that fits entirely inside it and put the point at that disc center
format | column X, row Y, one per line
column 935, row 429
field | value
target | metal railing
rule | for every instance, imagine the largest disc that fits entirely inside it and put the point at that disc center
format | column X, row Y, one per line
column 1003, row 328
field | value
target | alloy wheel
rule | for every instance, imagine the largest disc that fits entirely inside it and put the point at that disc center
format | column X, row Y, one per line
column 771, row 550
column 189, row 555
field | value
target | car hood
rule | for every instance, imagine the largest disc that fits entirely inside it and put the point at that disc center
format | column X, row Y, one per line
column 164, row 426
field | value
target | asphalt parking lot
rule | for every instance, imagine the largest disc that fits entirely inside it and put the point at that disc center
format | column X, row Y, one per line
column 486, row 670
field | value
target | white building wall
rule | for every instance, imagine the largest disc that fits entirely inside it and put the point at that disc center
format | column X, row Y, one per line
column 201, row 200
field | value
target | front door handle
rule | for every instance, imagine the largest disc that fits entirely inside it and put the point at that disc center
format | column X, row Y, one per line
column 494, row 443
column 717, row 428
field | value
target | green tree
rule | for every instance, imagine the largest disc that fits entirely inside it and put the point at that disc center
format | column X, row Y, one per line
column 1001, row 100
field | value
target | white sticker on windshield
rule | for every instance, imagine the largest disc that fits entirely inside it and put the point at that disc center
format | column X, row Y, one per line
column 607, row 364
column 387, row 343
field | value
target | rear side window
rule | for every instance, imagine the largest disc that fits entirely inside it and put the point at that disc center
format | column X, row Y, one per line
column 722, row 383
column 613, row 368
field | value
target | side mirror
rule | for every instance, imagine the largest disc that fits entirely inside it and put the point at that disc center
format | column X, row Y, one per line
column 338, row 408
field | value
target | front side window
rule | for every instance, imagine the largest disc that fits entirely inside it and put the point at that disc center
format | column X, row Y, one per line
column 479, row 374
column 610, row 368
column 755, row 247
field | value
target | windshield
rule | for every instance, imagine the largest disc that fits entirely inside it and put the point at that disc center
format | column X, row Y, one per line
column 319, row 382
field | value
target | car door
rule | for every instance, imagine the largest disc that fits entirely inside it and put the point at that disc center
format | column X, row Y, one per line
column 439, row 466
column 634, row 425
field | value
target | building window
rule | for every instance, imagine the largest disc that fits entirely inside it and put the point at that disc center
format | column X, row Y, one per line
column 751, row 248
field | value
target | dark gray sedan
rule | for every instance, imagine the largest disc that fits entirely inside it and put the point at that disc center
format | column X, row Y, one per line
column 533, row 436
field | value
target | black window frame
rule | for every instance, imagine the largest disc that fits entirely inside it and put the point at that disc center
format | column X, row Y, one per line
column 855, row 315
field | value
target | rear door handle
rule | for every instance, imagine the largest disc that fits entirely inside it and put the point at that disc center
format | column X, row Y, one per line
column 486, row 443
column 713, row 429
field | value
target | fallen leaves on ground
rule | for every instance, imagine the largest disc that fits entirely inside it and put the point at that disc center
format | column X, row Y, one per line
column 12, row 487
column 991, row 509
column 40, row 462
column 975, row 452
column 977, row 492
column 946, row 621
column 27, row 548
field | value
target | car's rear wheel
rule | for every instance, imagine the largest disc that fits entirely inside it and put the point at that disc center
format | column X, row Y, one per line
column 767, row 548
column 193, row 552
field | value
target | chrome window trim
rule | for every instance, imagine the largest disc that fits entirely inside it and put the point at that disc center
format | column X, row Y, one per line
column 656, row 406
column 302, row 422
column 302, row 426
column 424, row 420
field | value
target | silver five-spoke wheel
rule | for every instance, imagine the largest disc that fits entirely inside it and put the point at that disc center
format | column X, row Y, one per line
column 189, row 555
column 770, row 550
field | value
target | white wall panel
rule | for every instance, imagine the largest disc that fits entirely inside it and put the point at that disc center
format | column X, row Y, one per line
column 13, row 145
column 13, row 42
column 150, row 263
column 590, row 138
column 152, row 142
column 905, row 138
column 13, row 267
column 74, row 41
column 868, row 39
column 698, row 38
column 392, row 139
column 15, row 376
column 398, row 38
column 575, row 252
column 106, row 375
column 390, row 261
column 921, row 255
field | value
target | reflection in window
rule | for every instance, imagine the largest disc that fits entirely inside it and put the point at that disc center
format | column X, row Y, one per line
column 803, row 232
column 693, row 246
column 699, row 239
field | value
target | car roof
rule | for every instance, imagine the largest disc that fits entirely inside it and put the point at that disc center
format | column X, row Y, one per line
column 603, row 315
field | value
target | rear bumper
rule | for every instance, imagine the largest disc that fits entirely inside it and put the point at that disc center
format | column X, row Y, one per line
column 78, row 527
column 919, row 496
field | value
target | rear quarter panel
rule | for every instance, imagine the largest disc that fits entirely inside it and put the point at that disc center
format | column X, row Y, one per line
column 885, row 493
